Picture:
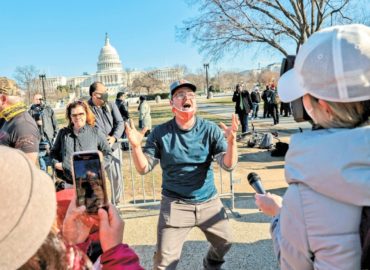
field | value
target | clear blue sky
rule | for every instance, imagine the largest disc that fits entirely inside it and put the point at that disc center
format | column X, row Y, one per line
column 64, row 38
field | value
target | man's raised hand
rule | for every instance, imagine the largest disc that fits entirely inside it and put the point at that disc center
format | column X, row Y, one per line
column 134, row 136
column 230, row 132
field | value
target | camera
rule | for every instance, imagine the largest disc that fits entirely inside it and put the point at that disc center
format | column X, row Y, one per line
column 298, row 110
column 37, row 112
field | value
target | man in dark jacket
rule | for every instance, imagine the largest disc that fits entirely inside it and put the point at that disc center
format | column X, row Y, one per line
column 272, row 104
column 266, row 112
column 48, row 128
column 243, row 105
column 108, row 120
column 122, row 106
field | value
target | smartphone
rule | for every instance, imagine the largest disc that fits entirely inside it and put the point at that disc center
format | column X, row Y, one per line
column 89, row 180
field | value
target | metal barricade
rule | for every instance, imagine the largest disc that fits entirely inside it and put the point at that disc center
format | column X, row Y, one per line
column 145, row 190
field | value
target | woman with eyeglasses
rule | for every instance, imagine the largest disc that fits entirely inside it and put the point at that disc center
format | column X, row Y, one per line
column 79, row 135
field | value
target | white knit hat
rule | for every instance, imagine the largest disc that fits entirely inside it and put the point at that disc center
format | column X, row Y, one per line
column 333, row 65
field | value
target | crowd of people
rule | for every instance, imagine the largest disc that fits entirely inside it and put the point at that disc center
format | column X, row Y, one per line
column 322, row 205
column 247, row 104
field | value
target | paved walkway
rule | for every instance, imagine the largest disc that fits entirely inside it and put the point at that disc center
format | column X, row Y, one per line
column 252, row 248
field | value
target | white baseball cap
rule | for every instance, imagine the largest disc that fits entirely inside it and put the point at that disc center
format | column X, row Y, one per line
column 333, row 65
column 28, row 208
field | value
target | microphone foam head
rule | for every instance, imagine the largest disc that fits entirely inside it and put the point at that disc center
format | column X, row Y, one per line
column 252, row 177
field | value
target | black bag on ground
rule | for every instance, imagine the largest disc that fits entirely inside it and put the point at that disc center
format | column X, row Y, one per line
column 280, row 149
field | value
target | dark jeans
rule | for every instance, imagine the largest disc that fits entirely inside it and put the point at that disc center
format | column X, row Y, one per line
column 243, row 118
column 255, row 109
column 44, row 160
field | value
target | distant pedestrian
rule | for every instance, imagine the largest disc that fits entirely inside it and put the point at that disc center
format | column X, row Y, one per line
column 145, row 119
column 266, row 112
column 272, row 106
column 48, row 127
column 275, row 105
column 109, row 121
column 18, row 129
column 243, row 105
column 122, row 105
column 256, row 99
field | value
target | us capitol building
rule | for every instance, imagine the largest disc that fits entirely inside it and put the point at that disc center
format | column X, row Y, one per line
column 111, row 73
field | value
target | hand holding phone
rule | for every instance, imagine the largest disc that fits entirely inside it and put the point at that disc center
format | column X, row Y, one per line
column 89, row 180
column 110, row 228
column 76, row 224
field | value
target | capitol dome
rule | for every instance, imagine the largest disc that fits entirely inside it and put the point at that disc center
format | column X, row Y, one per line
column 108, row 58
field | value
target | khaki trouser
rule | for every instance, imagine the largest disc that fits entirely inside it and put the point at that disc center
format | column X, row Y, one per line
column 177, row 218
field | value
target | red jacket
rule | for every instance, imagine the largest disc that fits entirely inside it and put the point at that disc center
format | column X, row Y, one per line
column 121, row 257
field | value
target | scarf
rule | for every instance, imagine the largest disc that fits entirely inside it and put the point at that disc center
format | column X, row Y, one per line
column 13, row 110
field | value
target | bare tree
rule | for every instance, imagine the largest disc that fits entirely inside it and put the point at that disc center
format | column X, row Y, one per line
column 147, row 82
column 198, row 79
column 267, row 77
column 232, row 25
column 26, row 77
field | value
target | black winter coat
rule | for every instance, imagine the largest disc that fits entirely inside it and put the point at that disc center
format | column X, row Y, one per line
column 246, row 99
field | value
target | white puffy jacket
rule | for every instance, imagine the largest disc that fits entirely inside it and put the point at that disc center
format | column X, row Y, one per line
column 328, row 172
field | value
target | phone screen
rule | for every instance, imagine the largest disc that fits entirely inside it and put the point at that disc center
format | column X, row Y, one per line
column 89, row 181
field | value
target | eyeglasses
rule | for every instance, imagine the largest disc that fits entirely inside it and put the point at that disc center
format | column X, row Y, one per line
column 181, row 96
column 75, row 115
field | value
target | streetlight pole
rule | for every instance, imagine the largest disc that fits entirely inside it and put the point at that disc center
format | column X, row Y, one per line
column 42, row 77
column 206, row 66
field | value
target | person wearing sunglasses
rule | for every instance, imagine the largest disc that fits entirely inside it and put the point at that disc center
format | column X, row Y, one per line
column 186, row 146
column 109, row 121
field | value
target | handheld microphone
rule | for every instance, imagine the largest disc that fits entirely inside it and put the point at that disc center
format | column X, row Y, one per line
column 255, row 181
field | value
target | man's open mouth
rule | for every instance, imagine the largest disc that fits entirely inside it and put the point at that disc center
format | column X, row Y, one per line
column 186, row 107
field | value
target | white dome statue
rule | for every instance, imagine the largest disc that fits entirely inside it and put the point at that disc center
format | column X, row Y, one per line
column 108, row 58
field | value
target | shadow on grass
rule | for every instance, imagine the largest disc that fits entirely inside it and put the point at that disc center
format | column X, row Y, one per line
column 261, row 156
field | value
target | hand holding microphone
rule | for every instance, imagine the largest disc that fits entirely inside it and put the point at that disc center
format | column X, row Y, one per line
column 255, row 181
column 268, row 203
